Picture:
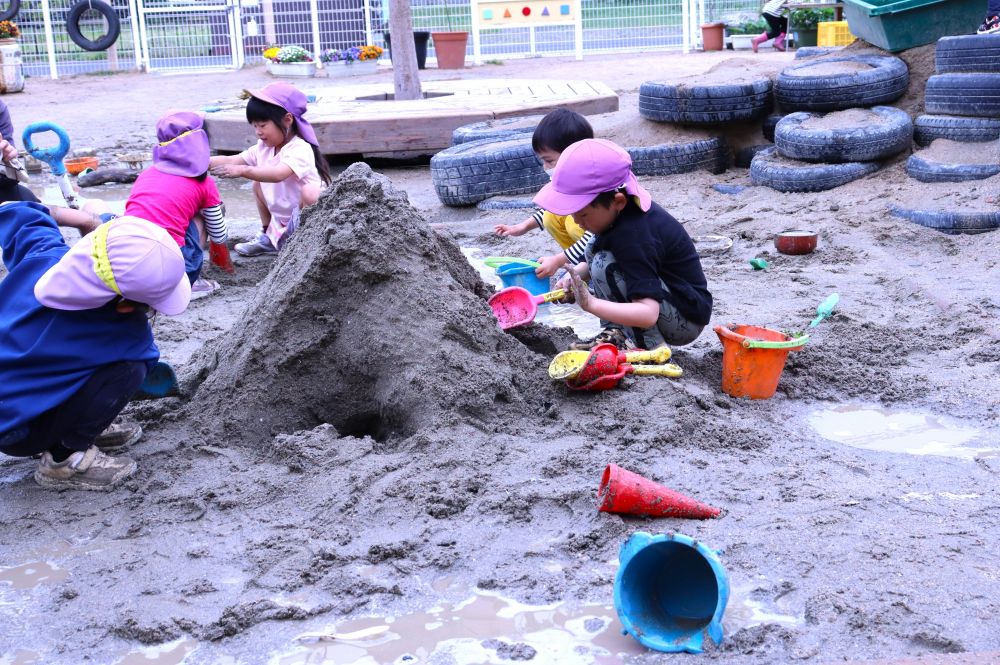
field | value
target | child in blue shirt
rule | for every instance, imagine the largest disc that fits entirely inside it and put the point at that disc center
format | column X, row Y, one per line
column 75, row 342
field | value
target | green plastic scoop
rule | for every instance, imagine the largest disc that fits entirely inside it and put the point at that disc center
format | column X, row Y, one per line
column 824, row 310
column 497, row 261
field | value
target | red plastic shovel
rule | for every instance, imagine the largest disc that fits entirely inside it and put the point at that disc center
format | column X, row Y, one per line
column 515, row 306
column 218, row 253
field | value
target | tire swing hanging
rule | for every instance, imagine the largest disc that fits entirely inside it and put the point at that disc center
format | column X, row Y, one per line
column 13, row 7
column 75, row 15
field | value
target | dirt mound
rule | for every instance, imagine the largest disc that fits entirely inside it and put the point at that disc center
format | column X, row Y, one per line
column 369, row 321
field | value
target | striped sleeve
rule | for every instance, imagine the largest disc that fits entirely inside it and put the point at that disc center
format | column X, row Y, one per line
column 537, row 216
column 576, row 252
column 215, row 223
column 773, row 7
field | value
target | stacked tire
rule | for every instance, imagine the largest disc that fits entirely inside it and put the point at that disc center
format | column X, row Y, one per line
column 962, row 100
column 815, row 150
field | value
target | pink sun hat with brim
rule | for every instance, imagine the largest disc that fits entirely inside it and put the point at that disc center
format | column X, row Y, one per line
column 584, row 170
column 291, row 99
column 129, row 257
column 183, row 145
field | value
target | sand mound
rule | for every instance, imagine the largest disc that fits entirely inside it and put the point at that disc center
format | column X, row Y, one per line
column 370, row 322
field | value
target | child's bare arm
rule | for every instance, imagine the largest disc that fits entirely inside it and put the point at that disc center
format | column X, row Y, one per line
column 514, row 229
column 310, row 194
column 275, row 173
column 81, row 220
column 641, row 313
column 219, row 160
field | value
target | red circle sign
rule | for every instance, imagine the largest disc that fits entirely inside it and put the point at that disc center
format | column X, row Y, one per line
column 526, row 11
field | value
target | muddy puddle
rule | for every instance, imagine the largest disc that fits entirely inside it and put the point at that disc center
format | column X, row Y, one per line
column 889, row 430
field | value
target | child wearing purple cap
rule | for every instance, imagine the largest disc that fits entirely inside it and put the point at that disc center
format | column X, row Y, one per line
column 286, row 164
column 76, row 339
column 646, row 281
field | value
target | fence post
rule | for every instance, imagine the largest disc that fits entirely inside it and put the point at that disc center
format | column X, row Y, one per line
column 133, row 19
column 317, row 47
column 50, row 43
column 369, row 36
column 685, row 27
column 236, row 34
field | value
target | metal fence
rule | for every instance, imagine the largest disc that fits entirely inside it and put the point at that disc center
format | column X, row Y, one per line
column 201, row 34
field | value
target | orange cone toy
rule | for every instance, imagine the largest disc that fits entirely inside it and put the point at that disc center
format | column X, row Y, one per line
column 629, row 493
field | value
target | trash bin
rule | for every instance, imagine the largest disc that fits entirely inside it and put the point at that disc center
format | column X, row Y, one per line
column 11, row 67
column 420, row 40
column 897, row 25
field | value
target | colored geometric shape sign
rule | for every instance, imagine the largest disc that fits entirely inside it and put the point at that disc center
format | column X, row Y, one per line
column 545, row 11
column 488, row 15
column 526, row 11
column 564, row 10
column 506, row 13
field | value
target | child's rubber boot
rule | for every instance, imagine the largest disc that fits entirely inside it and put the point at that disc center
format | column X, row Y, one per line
column 779, row 42
column 758, row 40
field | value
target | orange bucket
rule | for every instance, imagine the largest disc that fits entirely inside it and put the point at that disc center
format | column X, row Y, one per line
column 753, row 359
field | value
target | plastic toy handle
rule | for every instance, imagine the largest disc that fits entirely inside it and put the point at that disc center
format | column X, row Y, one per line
column 497, row 261
column 762, row 344
column 660, row 355
column 551, row 296
column 218, row 253
column 669, row 370
column 51, row 156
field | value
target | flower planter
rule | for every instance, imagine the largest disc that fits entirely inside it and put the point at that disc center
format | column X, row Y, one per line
column 11, row 73
column 450, row 49
column 294, row 69
column 742, row 42
column 344, row 69
column 804, row 36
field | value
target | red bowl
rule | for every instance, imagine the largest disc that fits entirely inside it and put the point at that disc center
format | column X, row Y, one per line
column 796, row 242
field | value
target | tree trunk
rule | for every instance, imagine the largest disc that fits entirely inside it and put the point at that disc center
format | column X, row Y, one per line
column 406, row 78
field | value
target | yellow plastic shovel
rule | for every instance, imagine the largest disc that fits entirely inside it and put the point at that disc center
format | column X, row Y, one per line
column 567, row 365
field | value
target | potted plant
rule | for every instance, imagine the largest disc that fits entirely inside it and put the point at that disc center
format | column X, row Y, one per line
column 9, row 32
column 289, row 61
column 351, row 61
column 11, row 74
column 804, row 22
column 450, row 46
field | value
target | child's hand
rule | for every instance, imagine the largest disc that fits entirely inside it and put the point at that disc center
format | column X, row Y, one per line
column 7, row 151
column 581, row 294
column 504, row 230
column 550, row 264
column 229, row 170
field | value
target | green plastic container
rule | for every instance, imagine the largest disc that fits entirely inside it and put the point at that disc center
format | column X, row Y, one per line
column 896, row 25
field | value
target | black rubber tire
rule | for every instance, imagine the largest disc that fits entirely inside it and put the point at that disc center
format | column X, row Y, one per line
column 926, row 128
column 506, row 203
column 496, row 129
column 76, row 13
column 705, row 104
column 975, row 95
column 968, row 53
column 858, row 143
column 952, row 222
column 467, row 173
column 802, row 176
column 710, row 155
column 814, row 51
column 797, row 90
column 770, row 122
column 923, row 170
column 13, row 7
column 745, row 156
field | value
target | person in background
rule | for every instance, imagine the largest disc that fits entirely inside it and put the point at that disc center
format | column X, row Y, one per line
column 557, row 131
column 286, row 165
column 775, row 12
column 992, row 22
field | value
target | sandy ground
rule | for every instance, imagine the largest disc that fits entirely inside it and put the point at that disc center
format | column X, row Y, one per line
column 366, row 468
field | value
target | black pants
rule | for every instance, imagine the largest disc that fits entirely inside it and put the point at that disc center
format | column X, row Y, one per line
column 78, row 421
column 776, row 25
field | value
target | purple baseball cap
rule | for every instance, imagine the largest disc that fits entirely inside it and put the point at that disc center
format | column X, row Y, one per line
column 127, row 256
column 183, row 145
column 586, row 169
column 291, row 99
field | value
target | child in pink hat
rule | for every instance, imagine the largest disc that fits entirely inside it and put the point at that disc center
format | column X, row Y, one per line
column 77, row 341
column 646, row 281
column 286, row 164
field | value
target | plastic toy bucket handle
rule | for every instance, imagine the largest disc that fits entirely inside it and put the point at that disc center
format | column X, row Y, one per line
column 763, row 344
column 52, row 156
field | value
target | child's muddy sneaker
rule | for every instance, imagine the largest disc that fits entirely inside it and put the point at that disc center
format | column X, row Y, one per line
column 118, row 435
column 90, row 470
column 989, row 26
column 614, row 336
column 203, row 287
column 258, row 247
